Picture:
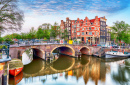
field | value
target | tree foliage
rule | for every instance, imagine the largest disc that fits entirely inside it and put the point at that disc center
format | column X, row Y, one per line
column 65, row 34
column 10, row 16
column 40, row 34
column 31, row 34
column 55, row 30
column 119, row 30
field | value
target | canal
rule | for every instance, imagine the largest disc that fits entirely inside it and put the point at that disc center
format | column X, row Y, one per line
column 66, row 70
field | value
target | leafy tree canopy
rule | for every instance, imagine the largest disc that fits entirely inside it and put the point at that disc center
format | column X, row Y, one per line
column 120, row 30
column 10, row 16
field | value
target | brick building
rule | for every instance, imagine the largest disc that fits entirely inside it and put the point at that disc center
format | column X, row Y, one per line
column 87, row 30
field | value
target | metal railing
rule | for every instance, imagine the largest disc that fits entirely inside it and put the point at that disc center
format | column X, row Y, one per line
column 41, row 42
column 4, row 50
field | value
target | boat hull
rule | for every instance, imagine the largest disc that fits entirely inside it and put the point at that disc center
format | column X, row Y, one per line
column 115, row 56
column 15, row 72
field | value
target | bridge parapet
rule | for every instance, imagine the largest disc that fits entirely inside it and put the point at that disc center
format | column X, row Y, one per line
column 84, row 49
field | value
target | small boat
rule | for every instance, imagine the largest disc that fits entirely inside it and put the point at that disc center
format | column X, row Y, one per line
column 116, row 54
column 14, row 80
column 15, row 67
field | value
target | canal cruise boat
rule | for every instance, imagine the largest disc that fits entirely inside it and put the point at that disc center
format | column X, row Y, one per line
column 116, row 54
column 15, row 67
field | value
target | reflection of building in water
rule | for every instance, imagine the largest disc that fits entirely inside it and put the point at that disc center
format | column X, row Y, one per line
column 95, row 69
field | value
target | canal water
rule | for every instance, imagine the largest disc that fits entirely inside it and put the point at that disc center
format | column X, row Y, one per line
column 65, row 70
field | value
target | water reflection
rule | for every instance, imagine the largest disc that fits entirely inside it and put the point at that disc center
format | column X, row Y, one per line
column 15, row 80
column 76, row 71
column 63, row 63
column 34, row 67
column 122, row 76
column 27, row 56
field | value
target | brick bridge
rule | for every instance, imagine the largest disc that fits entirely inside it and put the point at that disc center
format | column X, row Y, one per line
column 40, row 50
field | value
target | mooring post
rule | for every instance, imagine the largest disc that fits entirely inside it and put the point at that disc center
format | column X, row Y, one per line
column 45, row 55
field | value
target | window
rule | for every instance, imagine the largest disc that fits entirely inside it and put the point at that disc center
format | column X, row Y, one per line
column 90, row 33
column 95, row 33
column 74, row 30
column 77, row 25
column 86, row 20
column 101, row 27
column 91, row 23
column 74, row 26
column 89, row 28
column 101, row 23
column 86, row 33
column 78, row 21
column 82, row 29
column 78, row 29
column 82, row 33
column 78, row 33
column 86, row 23
column 86, row 28
column 101, row 33
column 95, row 28
column 104, row 33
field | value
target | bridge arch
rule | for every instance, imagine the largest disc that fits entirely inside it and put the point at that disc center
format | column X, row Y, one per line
column 85, row 50
column 66, row 49
column 38, row 52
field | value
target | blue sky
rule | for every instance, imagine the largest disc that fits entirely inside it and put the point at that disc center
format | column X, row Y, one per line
column 37, row 12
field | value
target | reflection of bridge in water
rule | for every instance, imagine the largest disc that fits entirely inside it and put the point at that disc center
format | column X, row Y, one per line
column 86, row 66
column 63, row 63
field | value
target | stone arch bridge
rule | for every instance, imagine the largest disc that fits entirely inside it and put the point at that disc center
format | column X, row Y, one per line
column 40, row 50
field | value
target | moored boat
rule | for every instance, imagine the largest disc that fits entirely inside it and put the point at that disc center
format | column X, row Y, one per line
column 115, row 54
column 15, row 79
column 15, row 67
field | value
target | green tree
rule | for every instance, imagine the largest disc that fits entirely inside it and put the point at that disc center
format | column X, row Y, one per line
column 32, row 33
column 47, row 33
column 15, row 36
column 40, row 34
column 65, row 34
column 1, row 39
column 126, row 38
column 119, row 29
column 55, row 30
column 10, row 16
column 24, row 36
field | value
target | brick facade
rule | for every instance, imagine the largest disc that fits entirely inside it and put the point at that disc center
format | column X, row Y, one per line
column 87, row 30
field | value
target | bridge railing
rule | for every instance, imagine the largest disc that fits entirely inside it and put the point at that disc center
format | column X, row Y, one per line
column 40, row 42
column 4, row 52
